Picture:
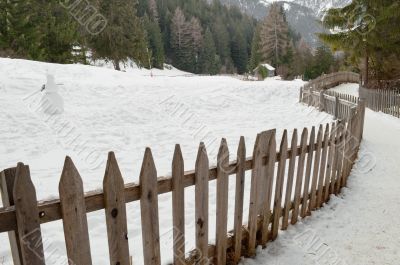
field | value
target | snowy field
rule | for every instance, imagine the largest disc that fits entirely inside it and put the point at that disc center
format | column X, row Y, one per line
column 124, row 112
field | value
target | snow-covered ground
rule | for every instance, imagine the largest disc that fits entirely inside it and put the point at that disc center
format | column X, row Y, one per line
column 349, row 88
column 360, row 227
column 125, row 112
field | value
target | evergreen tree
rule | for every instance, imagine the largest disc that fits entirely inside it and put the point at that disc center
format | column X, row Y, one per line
column 124, row 36
column 255, row 58
column 274, row 36
column 239, row 52
column 209, row 60
column 21, row 28
column 368, row 31
column 155, row 44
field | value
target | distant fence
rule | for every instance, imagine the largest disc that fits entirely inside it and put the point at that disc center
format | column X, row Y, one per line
column 341, row 106
column 309, row 169
column 315, row 93
column 387, row 101
column 331, row 80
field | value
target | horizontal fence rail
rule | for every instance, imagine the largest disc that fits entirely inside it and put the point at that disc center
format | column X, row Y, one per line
column 290, row 178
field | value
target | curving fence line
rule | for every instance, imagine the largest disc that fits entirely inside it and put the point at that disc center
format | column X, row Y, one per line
column 290, row 178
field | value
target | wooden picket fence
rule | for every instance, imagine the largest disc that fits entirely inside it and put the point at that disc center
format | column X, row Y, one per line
column 331, row 80
column 341, row 106
column 387, row 101
column 307, row 173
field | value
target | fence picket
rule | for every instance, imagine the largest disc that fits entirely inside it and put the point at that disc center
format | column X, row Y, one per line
column 280, row 177
column 115, row 209
column 289, row 183
column 320, row 191
column 7, row 180
column 331, row 153
column 314, row 182
column 268, row 177
column 307, row 176
column 26, row 213
column 339, row 174
column 222, row 202
column 201, row 201
column 239, row 197
column 299, row 177
column 149, row 210
column 256, row 176
column 178, row 206
column 73, row 211
column 336, row 157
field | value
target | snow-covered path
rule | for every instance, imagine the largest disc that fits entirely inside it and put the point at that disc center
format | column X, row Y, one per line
column 361, row 226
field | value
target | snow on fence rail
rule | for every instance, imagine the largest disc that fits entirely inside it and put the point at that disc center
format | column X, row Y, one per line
column 387, row 101
column 316, row 168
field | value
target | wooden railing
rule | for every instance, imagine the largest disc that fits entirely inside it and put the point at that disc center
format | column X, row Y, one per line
column 387, row 101
column 331, row 80
column 318, row 165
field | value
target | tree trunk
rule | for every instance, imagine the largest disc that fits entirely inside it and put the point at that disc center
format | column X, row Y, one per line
column 116, row 65
column 366, row 70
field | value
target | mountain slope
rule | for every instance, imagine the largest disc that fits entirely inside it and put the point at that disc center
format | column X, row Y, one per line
column 303, row 15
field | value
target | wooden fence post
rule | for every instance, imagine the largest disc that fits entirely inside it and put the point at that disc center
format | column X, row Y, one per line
column 336, row 113
column 26, row 213
column 7, row 180
column 321, row 100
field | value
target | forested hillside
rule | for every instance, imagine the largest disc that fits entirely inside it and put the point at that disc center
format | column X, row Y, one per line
column 197, row 36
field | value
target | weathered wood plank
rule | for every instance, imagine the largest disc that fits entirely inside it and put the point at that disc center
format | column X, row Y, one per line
column 239, row 197
column 222, row 202
column 7, row 180
column 29, row 232
column 289, row 183
column 201, row 201
column 299, row 177
column 115, row 211
column 335, row 157
column 340, row 155
column 268, row 176
column 178, row 206
column 280, row 177
column 307, row 176
column 320, row 191
column 331, row 153
column 256, row 176
column 149, row 211
column 73, row 211
column 314, row 182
